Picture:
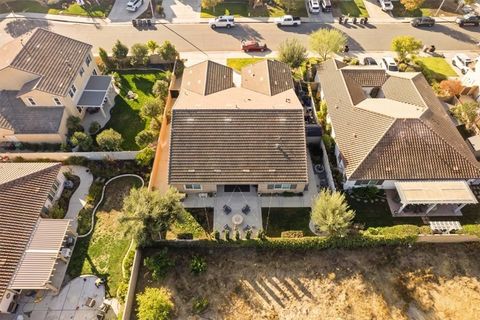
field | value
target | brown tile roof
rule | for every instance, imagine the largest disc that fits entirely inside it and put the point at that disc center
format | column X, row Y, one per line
column 367, row 77
column 237, row 146
column 55, row 58
column 269, row 77
column 376, row 146
column 207, row 77
column 23, row 193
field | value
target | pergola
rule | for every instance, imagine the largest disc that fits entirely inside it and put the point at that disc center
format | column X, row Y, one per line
column 38, row 262
column 433, row 193
column 95, row 92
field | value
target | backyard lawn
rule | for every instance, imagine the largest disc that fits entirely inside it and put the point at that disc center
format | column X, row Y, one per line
column 196, row 221
column 125, row 116
column 428, row 8
column 285, row 219
column 100, row 9
column 438, row 67
column 239, row 8
column 353, row 8
column 238, row 63
column 103, row 251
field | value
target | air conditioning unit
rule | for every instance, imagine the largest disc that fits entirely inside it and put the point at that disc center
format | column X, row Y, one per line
column 203, row 195
column 66, row 253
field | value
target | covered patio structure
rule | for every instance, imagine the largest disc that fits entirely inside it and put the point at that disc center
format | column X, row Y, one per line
column 44, row 262
column 429, row 198
column 96, row 92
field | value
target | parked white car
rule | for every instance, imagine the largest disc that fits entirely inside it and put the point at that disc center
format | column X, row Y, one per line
column 133, row 5
column 462, row 62
column 288, row 20
column 313, row 6
column 389, row 64
column 386, row 5
column 222, row 22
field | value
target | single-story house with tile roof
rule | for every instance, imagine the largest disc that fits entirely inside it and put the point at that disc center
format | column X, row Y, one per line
column 232, row 129
column 48, row 77
column 31, row 256
column 392, row 132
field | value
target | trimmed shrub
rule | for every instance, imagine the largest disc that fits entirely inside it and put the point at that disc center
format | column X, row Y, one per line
column 154, row 303
column 237, row 235
column 216, row 235
column 185, row 236
column 198, row 265
column 261, row 234
column 200, row 305
column 122, row 291
column 94, row 127
column 158, row 264
column 292, row 234
column 248, row 234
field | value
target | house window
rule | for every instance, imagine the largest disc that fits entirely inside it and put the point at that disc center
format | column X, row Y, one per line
column 53, row 191
column 88, row 60
column 57, row 101
column 369, row 182
column 72, row 91
column 282, row 186
column 193, row 187
column 31, row 101
column 81, row 71
column 94, row 72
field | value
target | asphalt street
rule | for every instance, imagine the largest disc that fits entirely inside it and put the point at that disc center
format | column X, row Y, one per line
column 200, row 37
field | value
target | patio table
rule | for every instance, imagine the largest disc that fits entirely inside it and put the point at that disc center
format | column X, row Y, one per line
column 237, row 219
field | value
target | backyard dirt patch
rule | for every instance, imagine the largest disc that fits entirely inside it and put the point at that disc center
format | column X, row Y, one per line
column 428, row 281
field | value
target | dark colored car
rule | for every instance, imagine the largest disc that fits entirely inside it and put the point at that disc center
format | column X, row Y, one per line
column 253, row 45
column 423, row 21
column 468, row 20
column 369, row 61
column 326, row 6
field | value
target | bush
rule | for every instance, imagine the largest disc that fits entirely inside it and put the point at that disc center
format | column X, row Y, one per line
column 154, row 304
column 167, row 51
column 216, row 235
column 109, row 140
column 119, row 50
column 262, row 235
column 76, row 161
column 185, row 236
column 248, row 234
column 200, row 305
column 145, row 157
column 403, row 230
column 158, row 264
column 198, row 265
column 73, row 124
column 160, row 88
column 226, row 235
column 292, row 234
column 328, row 142
column 139, row 55
column 237, row 235
column 179, row 66
column 402, row 67
column 94, row 127
column 55, row 212
column 368, row 192
column 82, row 140
column 128, row 263
column 122, row 291
column 117, row 79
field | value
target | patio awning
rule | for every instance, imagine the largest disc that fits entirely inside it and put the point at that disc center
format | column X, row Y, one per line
column 38, row 262
column 95, row 91
column 439, row 192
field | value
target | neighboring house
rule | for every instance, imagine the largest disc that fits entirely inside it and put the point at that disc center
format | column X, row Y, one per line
column 392, row 132
column 233, row 130
column 32, row 254
column 472, row 79
column 45, row 79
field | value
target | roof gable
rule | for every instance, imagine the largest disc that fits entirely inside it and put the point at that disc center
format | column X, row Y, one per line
column 269, row 77
column 207, row 77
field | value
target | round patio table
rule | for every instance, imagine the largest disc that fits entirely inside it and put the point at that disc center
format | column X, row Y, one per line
column 237, row 219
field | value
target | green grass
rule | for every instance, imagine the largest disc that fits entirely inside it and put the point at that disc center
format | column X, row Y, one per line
column 125, row 116
column 438, row 66
column 238, row 63
column 188, row 223
column 354, row 8
column 102, row 252
column 95, row 10
column 239, row 8
column 285, row 219
column 428, row 8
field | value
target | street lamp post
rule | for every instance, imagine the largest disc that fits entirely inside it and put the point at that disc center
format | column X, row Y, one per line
column 438, row 10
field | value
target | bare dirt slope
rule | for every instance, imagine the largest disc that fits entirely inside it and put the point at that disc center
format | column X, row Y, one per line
column 423, row 282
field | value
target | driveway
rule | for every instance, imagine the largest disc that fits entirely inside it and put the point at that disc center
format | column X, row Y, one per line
column 119, row 12
column 376, row 13
column 187, row 11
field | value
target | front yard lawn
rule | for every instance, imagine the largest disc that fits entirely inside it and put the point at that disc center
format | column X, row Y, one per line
column 428, row 8
column 125, row 116
column 238, row 63
column 102, row 252
column 439, row 67
column 99, row 8
column 353, row 8
column 285, row 219
column 239, row 8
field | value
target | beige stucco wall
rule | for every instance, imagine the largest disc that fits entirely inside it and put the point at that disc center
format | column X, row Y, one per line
column 262, row 188
column 14, row 79
column 35, row 138
column 41, row 98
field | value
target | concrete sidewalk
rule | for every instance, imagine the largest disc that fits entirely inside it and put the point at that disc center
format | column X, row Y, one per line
column 79, row 197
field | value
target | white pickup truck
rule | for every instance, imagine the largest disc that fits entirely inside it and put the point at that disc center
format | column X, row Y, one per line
column 288, row 20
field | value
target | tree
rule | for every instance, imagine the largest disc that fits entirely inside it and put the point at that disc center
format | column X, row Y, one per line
column 206, row 4
column 94, row 127
column 327, row 41
column 451, row 87
column 160, row 89
column 405, row 45
column 153, row 109
column 147, row 214
column 119, row 50
column 467, row 113
column 139, row 53
column 110, row 140
column 73, row 124
column 107, row 63
column 152, row 45
column 167, row 51
column 154, row 304
column 331, row 214
column 412, row 5
column 82, row 140
column 145, row 157
column 292, row 52
column 145, row 137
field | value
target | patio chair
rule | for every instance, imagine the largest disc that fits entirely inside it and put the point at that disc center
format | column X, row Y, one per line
column 246, row 209
column 227, row 209
column 247, row 227
column 227, row 227
column 90, row 302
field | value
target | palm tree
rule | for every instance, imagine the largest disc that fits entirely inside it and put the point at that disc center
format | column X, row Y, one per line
column 147, row 214
column 331, row 214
